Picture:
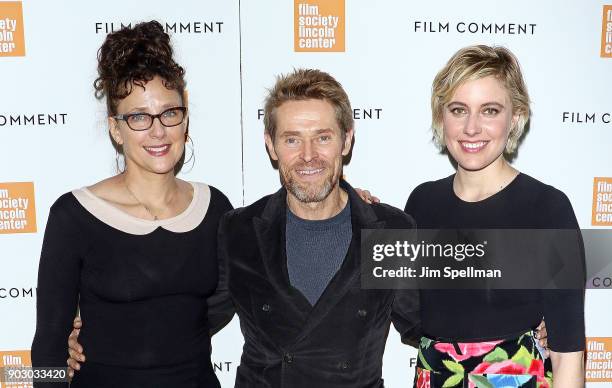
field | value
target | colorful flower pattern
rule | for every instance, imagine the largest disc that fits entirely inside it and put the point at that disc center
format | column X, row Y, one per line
column 507, row 363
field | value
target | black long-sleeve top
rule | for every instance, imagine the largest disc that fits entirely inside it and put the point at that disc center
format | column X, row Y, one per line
column 489, row 314
column 150, row 293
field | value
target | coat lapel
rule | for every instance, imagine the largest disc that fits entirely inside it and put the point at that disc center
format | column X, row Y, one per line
column 271, row 241
column 362, row 217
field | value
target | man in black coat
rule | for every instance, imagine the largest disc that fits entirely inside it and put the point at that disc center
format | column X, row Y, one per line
column 293, row 257
column 291, row 261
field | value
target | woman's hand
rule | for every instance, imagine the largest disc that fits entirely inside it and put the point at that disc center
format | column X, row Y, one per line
column 542, row 337
column 75, row 350
column 367, row 196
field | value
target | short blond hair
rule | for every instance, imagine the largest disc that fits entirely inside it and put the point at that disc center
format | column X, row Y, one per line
column 475, row 62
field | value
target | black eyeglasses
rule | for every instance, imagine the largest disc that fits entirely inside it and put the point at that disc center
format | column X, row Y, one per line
column 142, row 121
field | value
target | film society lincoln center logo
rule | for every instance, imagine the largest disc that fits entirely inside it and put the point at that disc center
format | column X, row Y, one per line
column 12, row 43
column 14, row 359
column 606, row 32
column 599, row 359
column 318, row 26
column 602, row 202
column 17, row 208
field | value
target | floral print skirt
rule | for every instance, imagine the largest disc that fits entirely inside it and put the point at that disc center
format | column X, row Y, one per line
column 511, row 362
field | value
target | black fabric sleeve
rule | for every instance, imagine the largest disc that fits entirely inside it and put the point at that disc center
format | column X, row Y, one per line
column 408, row 209
column 564, row 308
column 405, row 311
column 417, row 196
column 57, row 289
column 405, row 316
column 220, row 306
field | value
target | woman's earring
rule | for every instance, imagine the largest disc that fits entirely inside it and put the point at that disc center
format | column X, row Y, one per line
column 191, row 158
column 119, row 170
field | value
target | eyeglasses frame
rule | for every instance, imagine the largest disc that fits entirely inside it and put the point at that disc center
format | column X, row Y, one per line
column 125, row 117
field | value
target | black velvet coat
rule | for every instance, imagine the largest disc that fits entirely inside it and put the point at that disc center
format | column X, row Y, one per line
column 338, row 342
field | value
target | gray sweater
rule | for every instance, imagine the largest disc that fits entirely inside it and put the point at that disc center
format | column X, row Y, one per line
column 316, row 250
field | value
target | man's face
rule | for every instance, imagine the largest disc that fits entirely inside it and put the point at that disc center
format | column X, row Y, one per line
column 309, row 147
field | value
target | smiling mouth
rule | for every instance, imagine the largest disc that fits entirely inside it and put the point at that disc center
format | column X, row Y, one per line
column 473, row 146
column 309, row 172
column 160, row 150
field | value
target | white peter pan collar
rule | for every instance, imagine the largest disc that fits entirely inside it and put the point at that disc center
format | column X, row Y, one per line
column 186, row 221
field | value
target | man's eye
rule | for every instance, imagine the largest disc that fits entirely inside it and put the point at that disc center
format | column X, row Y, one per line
column 325, row 138
column 291, row 140
column 170, row 113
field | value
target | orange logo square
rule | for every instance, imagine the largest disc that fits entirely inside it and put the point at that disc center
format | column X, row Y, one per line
column 12, row 42
column 14, row 359
column 598, row 359
column 17, row 208
column 318, row 26
column 602, row 202
column 606, row 32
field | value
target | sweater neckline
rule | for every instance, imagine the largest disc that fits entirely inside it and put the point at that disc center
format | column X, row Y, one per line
column 492, row 197
column 343, row 216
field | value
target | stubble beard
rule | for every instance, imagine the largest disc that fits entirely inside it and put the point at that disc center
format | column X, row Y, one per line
column 314, row 192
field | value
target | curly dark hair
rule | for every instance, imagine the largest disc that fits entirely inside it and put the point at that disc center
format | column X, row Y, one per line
column 134, row 56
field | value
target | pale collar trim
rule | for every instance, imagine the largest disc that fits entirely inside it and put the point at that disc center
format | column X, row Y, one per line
column 186, row 221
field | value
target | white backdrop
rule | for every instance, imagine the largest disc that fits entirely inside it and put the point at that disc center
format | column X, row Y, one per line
column 232, row 51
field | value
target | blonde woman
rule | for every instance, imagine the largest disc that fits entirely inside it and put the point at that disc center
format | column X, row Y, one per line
column 480, row 107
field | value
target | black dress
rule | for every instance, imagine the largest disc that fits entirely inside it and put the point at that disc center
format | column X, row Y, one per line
column 474, row 334
column 150, row 293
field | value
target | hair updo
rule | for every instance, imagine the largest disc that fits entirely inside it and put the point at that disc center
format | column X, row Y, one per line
column 134, row 56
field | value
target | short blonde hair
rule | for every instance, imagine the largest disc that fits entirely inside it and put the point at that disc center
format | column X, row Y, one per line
column 475, row 62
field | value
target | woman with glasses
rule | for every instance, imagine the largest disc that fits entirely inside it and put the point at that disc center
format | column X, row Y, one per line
column 136, row 253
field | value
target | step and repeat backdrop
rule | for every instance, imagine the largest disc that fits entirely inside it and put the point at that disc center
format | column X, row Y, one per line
column 54, row 138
